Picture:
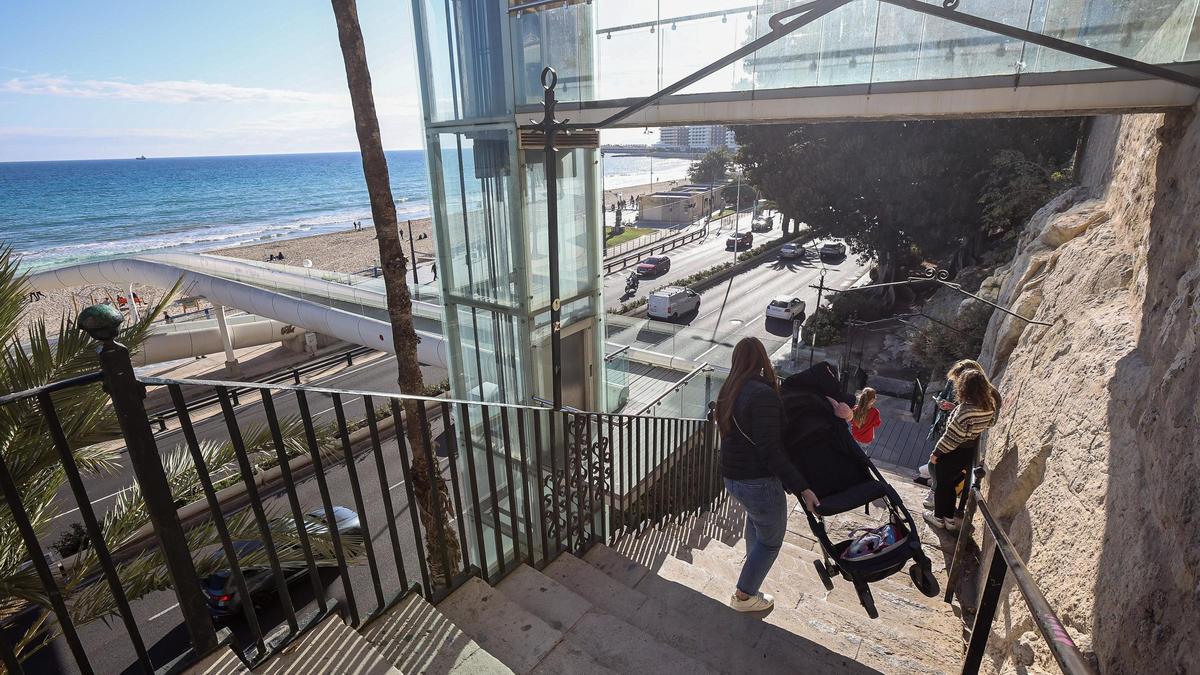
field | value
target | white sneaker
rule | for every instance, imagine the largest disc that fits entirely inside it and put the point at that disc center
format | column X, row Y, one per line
column 928, row 503
column 756, row 603
column 933, row 520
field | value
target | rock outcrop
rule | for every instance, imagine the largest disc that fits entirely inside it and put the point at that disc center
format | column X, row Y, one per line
column 1095, row 459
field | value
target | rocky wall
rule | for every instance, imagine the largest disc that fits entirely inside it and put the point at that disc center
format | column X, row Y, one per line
column 1094, row 462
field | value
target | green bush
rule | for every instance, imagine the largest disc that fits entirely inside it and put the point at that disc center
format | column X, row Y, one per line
column 823, row 327
column 934, row 346
column 72, row 541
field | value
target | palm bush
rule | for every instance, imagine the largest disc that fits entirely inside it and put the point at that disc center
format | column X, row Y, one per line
column 39, row 356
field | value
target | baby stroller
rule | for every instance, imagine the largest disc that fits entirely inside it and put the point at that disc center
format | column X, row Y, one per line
column 844, row 479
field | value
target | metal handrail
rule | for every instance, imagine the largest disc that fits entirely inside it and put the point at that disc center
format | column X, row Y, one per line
column 77, row 381
column 1005, row 559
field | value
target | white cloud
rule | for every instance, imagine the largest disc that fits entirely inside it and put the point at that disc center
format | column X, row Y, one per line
column 164, row 91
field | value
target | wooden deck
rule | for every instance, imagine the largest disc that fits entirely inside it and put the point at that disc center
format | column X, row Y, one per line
column 900, row 440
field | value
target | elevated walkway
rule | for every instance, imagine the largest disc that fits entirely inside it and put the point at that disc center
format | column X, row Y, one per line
column 870, row 59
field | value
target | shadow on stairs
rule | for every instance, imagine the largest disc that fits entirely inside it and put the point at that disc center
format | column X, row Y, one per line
column 655, row 602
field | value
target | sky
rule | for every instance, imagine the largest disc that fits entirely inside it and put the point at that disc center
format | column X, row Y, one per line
column 81, row 79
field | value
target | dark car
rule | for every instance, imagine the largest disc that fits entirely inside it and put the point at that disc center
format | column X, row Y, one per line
column 739, row 241
column 654, row 266
column 833, row 249
column 220, row 590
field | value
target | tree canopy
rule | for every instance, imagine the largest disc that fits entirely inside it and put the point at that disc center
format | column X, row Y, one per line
column 896, row 190
column 712, row 168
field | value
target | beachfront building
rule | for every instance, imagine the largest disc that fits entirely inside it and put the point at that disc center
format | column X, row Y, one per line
column 685, row 204
column 702, row 137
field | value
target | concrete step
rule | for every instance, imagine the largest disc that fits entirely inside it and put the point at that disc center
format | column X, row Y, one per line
column 331, row 648
column 417, row 638
column 515, row 636
column 907, row 637
column 708, row 629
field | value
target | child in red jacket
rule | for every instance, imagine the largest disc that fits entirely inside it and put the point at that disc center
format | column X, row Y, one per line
column 866, row 417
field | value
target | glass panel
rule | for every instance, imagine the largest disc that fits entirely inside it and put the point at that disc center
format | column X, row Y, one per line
column 440, row 79
column 478, row 229
column 578, row 224
column 1154, row 31
column 791, row 61
column 847, row 39
column 627, row 49
column 487, row 342
column 556, row 36
column 952, row 50
column 694, row 33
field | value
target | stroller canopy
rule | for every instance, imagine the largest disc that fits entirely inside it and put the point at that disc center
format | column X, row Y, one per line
column 817, row 441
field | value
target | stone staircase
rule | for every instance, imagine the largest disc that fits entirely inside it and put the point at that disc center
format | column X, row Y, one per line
column 654, row 602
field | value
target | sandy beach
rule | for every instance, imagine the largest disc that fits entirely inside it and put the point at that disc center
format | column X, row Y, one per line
column 343, row 251
column 611, row 196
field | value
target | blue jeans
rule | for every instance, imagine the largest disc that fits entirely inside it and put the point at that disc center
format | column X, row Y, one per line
column 766, row 521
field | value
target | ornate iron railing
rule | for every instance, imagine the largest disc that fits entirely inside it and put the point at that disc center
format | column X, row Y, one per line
column 510, row 485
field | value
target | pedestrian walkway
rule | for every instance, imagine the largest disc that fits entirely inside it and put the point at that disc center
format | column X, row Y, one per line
column 899, row 440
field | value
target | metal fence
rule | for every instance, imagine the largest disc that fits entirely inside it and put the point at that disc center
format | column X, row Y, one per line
column 441, row 490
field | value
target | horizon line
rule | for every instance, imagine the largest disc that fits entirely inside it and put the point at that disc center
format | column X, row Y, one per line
column 256, row 154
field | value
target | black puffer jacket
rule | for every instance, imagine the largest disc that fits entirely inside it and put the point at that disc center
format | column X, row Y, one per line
column 818, row 442
column 758, row 413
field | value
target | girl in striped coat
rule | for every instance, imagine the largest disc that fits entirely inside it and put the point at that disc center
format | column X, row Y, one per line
column 978, row 405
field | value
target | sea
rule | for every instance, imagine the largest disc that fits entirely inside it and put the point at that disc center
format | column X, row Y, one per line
column 58, row 213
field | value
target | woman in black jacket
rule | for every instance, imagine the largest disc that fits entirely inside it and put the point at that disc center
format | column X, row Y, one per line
column 756, row 472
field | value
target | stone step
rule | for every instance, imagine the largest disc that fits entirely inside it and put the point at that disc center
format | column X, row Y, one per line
column 727, row 640
column 417, row 638
column 907, row 637
column 515, row 636
column 331, row 648
column 612, row 641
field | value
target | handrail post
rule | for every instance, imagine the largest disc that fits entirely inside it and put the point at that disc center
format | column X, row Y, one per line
column 964, row 534
column 102, row 322
column 982, row 628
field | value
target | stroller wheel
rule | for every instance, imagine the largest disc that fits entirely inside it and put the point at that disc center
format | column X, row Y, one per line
column 823, row 573
column 922, row 577
column 867, row 601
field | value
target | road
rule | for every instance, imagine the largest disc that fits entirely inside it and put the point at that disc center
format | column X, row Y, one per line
column 737, row 308
column 686, row 260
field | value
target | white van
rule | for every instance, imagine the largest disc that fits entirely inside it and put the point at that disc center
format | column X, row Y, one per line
column 671, row 302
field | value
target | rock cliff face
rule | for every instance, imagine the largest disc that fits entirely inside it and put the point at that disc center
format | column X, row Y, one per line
column 1095, row 460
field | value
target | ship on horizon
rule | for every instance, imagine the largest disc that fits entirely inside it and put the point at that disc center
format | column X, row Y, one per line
column 140, row 157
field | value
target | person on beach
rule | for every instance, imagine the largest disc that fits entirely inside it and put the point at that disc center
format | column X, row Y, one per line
column 978, row 405
column 866, row 417
column 756, row 472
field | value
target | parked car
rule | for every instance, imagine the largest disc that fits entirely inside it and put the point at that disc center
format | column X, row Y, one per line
column 833, row 249
column 791, row 250
column 784, row 307
column 220, row 591
column 654, row 266
column 739, row 241
column 671, row 302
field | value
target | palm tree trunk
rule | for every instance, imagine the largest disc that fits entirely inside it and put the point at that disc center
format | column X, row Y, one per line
column 433, row 500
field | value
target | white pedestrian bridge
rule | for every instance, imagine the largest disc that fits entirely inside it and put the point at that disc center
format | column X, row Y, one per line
column 863, row 59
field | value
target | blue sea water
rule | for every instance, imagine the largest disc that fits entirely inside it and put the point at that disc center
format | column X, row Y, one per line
column 55, row 213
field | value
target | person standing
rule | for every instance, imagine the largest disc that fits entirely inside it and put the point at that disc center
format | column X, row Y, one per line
column 978, row 405
column 756, row 472
column 433, row 267
column 866, row 417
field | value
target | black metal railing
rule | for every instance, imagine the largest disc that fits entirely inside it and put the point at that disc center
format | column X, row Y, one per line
column 617, row 263
column 1006, row 560
column 160, row 417
column 251, row 512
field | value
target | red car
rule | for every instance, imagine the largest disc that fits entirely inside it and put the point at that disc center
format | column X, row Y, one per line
column 739, row 241
column 654, row 266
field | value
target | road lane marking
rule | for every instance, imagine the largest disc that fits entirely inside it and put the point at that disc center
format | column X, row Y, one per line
column 95, row 501
column 395, row 486
column 160, row 614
